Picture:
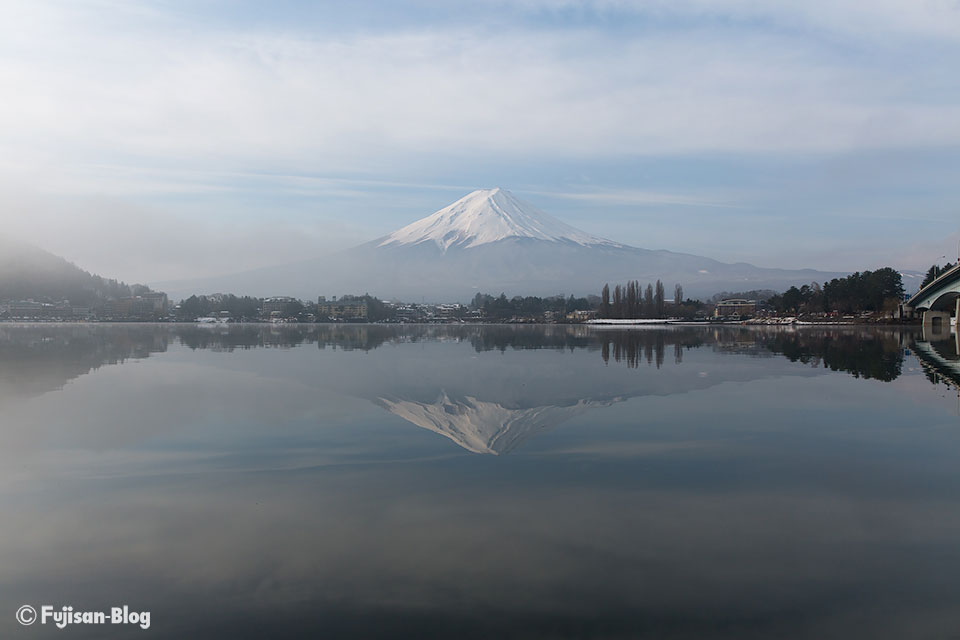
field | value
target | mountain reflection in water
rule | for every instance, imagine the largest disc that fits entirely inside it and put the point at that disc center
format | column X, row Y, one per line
column 674, row 482
column 478, row 406
column 498, row 425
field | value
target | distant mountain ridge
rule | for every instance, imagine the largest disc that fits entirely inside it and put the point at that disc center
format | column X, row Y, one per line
column 29, row 272
column 491, row 241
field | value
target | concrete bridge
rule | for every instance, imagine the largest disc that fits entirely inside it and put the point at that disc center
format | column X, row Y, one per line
column 938, row 301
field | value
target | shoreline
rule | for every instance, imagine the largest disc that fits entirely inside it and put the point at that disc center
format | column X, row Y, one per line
column 601, row 325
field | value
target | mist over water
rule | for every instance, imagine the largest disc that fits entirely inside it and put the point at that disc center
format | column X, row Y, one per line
column 481, row 481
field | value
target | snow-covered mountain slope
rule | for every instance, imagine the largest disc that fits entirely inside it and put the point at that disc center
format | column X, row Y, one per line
column 491, row 242
column 485, row 216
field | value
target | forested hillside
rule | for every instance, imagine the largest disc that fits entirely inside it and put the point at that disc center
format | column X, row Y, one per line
column 29, row 272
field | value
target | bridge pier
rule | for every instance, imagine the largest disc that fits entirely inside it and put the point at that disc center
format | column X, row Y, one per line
column 936, row 325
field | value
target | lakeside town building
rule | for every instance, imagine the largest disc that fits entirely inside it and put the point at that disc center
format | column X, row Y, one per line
column 342, row 310
column 735, row 307
column 277, row 304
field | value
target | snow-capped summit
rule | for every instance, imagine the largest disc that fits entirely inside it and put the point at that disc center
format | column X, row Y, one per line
column 490, row 241
column 485, row 216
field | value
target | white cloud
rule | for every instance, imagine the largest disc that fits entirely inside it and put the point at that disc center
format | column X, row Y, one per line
column 638, row 197
column 132, row 90
column 127, row 102
column 878, row 19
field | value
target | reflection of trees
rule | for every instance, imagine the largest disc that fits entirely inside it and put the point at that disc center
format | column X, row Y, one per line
column 50, row 355
column 873, row 355
column 239, row 336
column 35, row 359
column 371, row 336
column 560, row 337
column 250, row 336
column 633, row 347
column 863, row 354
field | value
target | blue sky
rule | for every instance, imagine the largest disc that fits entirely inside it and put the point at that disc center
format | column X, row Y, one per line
column 162, row 140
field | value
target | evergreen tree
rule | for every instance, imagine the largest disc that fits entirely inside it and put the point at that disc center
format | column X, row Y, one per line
column 935, row 272
column 792, row 299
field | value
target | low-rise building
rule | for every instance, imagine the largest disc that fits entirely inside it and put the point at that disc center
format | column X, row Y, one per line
column 735, row 307
column 276, row 304
column 581, row 315
column 156, row 301
column 25, row 309
column 408, row 313
column 342, row 310
column 150, row 306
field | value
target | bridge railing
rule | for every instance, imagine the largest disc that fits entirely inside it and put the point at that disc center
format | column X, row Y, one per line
column 934, row 284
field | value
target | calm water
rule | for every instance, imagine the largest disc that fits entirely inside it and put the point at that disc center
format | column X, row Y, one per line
column 488, row 482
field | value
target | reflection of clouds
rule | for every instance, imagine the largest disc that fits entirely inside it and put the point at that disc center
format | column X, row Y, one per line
column 122, row 403
column 259, row 481
column 502, row 384
column 440, row 539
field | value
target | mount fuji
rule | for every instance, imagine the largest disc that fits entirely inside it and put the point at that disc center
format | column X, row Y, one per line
column 487, row 216
column 490, row 241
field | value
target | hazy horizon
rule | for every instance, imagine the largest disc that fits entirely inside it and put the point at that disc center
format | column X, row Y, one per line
column 155, row 142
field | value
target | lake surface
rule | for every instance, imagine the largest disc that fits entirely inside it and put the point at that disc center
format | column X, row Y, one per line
column 481, row 482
